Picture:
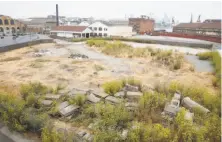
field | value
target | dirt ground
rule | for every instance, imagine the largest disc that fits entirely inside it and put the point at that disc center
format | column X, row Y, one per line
column 20, row 66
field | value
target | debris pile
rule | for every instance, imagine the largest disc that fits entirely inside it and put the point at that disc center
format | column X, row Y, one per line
column 78, row 56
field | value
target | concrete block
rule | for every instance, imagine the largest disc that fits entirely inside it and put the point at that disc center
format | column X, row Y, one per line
column 46, row 102
column 52, row 97
column 69, row 110
column 112, row 99
column 63, row 105
column 92, row 98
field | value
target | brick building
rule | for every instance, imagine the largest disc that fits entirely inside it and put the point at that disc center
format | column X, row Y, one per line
column 210, row 27
column 142, row 25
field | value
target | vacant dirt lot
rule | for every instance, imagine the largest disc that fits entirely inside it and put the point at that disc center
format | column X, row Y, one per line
column 54, row 67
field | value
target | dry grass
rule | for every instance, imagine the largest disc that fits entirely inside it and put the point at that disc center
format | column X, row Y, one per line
column 98, row 67
column 10, row 59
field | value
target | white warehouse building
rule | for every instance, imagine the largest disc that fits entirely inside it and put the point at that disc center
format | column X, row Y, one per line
column 97, row 29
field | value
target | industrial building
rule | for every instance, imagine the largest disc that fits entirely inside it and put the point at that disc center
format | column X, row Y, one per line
column 142, row 25
column 210, row 27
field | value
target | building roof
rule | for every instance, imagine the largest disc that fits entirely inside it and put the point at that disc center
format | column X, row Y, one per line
column 210, row 25
column 70, row 28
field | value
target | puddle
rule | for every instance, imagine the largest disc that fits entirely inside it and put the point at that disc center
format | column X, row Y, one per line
column 199, row 65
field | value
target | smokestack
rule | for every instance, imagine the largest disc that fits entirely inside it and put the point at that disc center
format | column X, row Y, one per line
column 57, row 15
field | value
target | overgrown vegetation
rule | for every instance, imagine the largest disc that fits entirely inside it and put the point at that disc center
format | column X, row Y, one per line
column 78, row 99
column 109, row 121
column 197, row 93
column 119, row 49
column 113, row 87
column 215, row 57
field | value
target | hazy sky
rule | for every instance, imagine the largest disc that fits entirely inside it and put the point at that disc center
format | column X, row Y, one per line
column 108, row 9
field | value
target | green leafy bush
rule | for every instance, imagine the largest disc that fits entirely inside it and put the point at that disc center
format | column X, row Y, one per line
column 112, row 87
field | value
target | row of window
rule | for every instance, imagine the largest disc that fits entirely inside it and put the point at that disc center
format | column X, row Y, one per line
column 7, row 28
column 6, row 22
column 99, row 29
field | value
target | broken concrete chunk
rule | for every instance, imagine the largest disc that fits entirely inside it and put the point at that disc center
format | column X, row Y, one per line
column 100, row 94
column 52, row 97
column 46, row 102
column 129, row 87
column 134, row 95
column 81, row 133
column 69, row 110
column 87, row 137
column 177, row 96
column 189, row 116
column 112, row 99
column 129, row 104
column 120, row 94
column 63, row 105
column 75, row 92
column 124, row 134
column 92, row 98
column 63, row 92
column 190, row 104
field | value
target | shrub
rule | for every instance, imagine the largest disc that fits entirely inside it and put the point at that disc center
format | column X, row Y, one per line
column 33, row 121
column 150, row 104
column 205, row 55
column 112, row 87
column 154, row 132
column 78, row 99
column 33, row 88
column 107, row 136
column 132, row 81
column 49, row 134
column 11, row 110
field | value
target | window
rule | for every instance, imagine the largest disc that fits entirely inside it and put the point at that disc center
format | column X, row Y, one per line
column 1, row 22
column 90, row 28
column 105, row 34
column 100, row 29
column 100, row 34
column 7, row 28
column 6, row 22
column 12, row 22
column 95, row 28
column 105, row 29
column 1, row 29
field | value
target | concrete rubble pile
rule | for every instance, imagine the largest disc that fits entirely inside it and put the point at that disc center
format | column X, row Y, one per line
column 171, row 109
column 78, row 56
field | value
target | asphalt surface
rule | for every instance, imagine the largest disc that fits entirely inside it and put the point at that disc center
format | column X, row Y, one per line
column 21, row 39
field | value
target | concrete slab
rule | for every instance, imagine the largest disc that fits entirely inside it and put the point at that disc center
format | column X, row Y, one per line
column 52, row 97
column 134, row 95
column 63, row 92
column 81, row 133
column 131, row 104
column 92, row 98
column 132, row 88
column 75, row 92
column 120, row 94
column 100, row 94
column 63, row 105
column 112, row 99
column 69, row 110
column 46, row 102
